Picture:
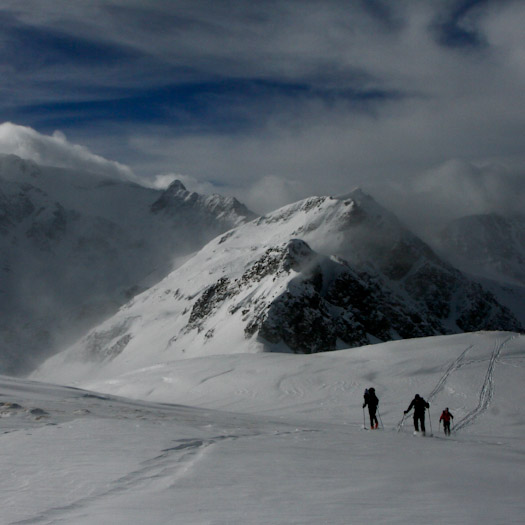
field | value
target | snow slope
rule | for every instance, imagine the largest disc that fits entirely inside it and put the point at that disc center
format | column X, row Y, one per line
column 274, row 439
column 261, row 287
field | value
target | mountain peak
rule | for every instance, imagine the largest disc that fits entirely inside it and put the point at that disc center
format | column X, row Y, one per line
column 489, row 245
column 176, row 200
column 270, row 284
column 13, row 167
column 176, row 186
column 357, row 193
column 76, row 245
column 298, row 255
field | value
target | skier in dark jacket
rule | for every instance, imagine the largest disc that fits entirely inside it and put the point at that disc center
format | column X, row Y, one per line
column 372, row 402
column 446, row 416
column 419, row 405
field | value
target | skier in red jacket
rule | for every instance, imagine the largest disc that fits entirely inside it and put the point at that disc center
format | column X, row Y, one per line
column 446, row 416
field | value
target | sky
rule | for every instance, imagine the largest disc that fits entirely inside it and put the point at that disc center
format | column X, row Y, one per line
column 416, row 101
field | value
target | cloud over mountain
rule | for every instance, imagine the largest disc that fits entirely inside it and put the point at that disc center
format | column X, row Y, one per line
column 55, row 150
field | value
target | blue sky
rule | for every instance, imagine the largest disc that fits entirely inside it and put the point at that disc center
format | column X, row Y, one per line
column 277, row 99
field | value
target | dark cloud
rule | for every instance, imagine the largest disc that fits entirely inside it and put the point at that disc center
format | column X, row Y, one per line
column 221, row 106
column 457, row 24
column 30, row 47
column 383, row 12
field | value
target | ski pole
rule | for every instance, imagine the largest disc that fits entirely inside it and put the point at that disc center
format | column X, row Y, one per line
column 379, row 414
column 400, row 425
column 430, row 421
column 364, row 421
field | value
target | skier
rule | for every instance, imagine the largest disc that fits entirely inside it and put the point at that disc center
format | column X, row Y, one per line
column 419, row 405
column 446, row 416
column 372, row 402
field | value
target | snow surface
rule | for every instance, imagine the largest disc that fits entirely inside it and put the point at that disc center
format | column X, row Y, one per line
column 274, row 439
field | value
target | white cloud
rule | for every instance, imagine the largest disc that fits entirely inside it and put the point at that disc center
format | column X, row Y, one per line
column 161, row 182
column 56, row 150
column 455, row 189
column 271, row 192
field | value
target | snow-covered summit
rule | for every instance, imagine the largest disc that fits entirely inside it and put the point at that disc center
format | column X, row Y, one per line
column 319, row 274
column 176, row 199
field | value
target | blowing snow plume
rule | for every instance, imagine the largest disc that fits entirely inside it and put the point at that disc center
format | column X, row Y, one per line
column 55, row 150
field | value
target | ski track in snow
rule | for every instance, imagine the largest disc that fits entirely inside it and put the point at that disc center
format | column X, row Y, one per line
column 487, row 389
column 160, row 472
column 215, row 376
column 455, row 365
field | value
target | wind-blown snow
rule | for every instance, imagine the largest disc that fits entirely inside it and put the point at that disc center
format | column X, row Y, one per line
column 274, row 439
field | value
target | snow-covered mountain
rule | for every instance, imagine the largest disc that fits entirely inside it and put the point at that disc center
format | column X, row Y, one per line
column 74, row 246
column 317, row 275
column 490, row 245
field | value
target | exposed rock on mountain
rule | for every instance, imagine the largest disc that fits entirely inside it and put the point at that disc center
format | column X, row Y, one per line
column 177, row 202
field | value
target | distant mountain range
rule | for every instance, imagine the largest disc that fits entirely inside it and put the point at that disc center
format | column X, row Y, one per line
column 321, row 274
column 75, row 246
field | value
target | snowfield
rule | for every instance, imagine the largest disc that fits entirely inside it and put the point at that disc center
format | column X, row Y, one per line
column 272, row 438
